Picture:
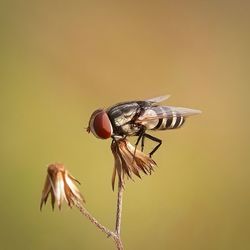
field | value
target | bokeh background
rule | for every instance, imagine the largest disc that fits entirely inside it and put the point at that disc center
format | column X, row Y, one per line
column 61, row 60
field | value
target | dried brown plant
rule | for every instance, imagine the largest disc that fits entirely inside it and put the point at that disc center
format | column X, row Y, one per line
column 61, row 185
column 129, row 160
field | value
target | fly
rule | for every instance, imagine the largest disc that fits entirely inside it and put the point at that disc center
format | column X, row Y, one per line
column 136, row 118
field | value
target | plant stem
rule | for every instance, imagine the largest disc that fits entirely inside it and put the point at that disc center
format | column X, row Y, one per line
column 93, row 220
column 114, row 235
column 119, row 215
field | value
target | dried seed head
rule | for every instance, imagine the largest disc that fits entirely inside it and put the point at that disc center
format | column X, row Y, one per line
column 61, row 185
column 129, row 160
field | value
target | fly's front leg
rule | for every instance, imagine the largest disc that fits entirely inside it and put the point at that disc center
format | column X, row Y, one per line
column 159, row 141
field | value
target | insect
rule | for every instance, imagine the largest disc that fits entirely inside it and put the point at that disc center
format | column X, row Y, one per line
column 136, row 118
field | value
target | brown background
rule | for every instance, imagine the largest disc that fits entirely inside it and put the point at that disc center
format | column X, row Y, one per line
column 60, row 61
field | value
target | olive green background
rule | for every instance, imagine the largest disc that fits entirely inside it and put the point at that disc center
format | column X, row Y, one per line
column 60, row 60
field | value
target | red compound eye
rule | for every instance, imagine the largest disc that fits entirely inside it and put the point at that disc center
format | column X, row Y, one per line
column 100, row 125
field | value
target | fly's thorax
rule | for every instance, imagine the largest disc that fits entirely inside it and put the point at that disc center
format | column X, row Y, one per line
column 122, row 117
column 122, row 120
column 130, row 129
column 124, row 126
column 123, row 113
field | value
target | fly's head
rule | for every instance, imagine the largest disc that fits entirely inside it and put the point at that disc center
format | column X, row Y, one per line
column 100, row 125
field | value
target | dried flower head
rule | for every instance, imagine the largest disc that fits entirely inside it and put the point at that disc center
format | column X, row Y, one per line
column 129, row 160
column 61, row 185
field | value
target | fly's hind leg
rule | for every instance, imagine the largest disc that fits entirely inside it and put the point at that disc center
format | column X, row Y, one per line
column 152, row 138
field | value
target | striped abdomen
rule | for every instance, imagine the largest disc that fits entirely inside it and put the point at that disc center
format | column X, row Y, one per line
column 171, row 122
column 162, row 118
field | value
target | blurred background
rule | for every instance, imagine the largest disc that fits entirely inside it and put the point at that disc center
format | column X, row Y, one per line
column 62, row 60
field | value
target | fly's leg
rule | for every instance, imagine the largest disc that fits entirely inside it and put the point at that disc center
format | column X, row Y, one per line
column 140, row 136
column 142, row 142
column 153, row 139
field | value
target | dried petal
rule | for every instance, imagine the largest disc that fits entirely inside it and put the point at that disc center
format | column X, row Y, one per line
column 129, row 160
column 60, row 184
column 118, row 162
column 73, row 188
column 45, row 192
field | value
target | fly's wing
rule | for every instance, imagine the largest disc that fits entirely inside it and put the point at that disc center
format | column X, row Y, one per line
column 158, row 99
column 158, row 112
column 144, row 103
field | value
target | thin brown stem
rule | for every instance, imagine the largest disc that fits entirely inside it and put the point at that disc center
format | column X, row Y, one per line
column 93, row 220
column 119, row 214
column 104, row 229
column 119, row 209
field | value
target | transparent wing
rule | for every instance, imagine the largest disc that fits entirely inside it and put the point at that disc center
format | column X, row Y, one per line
column 165, row 112
column 158, row 99
column 149, row 102
column 184, row 111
